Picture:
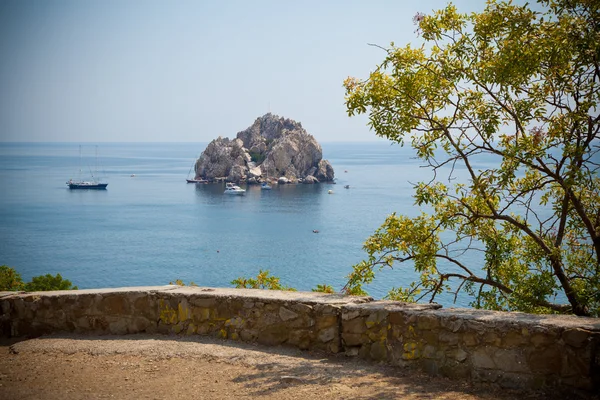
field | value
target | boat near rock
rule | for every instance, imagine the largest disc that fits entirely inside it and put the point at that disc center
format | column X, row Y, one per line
column 230, row 188
column 196, row 181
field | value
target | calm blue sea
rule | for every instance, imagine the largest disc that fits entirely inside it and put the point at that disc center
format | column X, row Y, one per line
column 155, row 228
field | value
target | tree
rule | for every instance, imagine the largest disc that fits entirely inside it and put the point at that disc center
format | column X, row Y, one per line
column 519, row 89
column 10, row 279
column 48, row 282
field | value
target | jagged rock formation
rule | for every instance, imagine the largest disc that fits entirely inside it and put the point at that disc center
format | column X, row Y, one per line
column 272, row 148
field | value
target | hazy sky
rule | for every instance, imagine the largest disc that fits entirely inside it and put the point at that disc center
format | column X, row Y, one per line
column 189, row 71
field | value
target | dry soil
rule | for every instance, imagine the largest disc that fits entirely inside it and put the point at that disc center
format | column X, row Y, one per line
column 164, row 367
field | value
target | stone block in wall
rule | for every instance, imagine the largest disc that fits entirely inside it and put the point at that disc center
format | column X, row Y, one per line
column 456, row 354
column 543, row 337
column 511, row 360
column 356, row 325
column 117, row 304
column 286, row 314
column 491, row 338
column 353, row 339
column 448, row 338
column 455, row 370
column 469, row 339
column 145, row 305
column 248, row 335
column 273, row 335
column 546, row 360
column 85, row 306
column 574, row 362
column 432, row 352
column 378, row 351
column 396, row 318
column 205, row 302
column 326, row 321
column 482, row 358
column 452, row 323
column 303, row 321
column 327, row 334
column 576, row 337
column 428, row 321
column 412, row 350
column 376, row 318
column 300, row 338
column 515, row 338
column 302, row 308
column 512, row 380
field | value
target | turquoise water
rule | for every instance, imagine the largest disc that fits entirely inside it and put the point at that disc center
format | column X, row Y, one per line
column 154, row 228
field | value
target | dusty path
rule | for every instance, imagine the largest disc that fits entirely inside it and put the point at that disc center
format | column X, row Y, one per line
column 163, row 367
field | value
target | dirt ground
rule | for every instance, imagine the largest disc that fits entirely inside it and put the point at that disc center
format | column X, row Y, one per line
column 165, row 367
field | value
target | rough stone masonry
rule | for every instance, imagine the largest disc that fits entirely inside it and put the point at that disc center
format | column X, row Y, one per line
column 513, row 350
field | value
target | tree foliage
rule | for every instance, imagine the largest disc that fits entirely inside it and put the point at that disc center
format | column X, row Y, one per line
column 11, row 280
column 516, row 89
column 180, row 282
column 48, row 282
column 324, row 288
column 264, row 280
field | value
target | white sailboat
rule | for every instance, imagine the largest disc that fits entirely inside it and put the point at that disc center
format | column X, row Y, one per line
column 265, row 184
column 194, row 180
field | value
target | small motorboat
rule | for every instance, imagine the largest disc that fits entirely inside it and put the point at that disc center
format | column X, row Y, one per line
column 330, row 192
column 230, row 188
column 347, row 187
column 265, row 186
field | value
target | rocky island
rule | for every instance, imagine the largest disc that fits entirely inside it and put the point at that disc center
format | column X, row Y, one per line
column 273, row 149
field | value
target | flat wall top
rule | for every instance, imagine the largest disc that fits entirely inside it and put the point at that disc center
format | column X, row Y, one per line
column 249, row 294
column 540, row 320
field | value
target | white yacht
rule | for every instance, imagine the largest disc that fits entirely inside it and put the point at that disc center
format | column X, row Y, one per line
column 230, row 188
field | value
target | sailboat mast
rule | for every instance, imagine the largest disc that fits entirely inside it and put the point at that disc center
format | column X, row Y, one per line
column 79, row 174
column 96, row 166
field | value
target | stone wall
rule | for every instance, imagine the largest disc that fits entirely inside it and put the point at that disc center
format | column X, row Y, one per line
column 513, row 350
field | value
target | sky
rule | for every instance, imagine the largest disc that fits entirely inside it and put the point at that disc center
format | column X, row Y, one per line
column 189, row 71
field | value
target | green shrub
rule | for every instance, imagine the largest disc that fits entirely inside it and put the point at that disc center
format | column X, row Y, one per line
column 262, row 281
column 324, row 288
column 179, row 282
column 10, row 279
column 48, row 282
column 257, row 157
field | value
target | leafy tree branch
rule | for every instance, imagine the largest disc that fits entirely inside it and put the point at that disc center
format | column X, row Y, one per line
column 519, row 90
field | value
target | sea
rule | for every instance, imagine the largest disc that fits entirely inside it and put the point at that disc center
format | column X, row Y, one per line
column 150, row 227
